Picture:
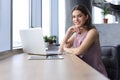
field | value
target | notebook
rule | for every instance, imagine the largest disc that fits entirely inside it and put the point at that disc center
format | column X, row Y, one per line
column 33, row 42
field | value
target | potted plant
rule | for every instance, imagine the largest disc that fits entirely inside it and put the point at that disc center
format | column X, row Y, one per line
column 45, row 38
column 105, row 12
column 50, row 39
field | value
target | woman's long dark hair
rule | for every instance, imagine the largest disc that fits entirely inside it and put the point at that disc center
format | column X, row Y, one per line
column 86, row 12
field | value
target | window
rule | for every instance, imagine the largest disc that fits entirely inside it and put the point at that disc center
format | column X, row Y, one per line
column 61, row 19
column 5, row 25
column 20, row 19
column 98, row 17
column 99, row 20
column 46, row 7
column 52, row 22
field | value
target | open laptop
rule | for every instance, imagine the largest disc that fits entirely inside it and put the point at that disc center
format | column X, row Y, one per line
column 33, row 42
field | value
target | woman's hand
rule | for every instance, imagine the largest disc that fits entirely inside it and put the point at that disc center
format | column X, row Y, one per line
column 71, row 30
column 74, row 28
column 68, row 39
column 61, row 48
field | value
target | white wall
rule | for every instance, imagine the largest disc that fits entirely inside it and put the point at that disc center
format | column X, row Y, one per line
column 109, row 34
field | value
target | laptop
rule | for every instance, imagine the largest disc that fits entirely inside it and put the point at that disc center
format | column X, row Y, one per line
column 33, row 42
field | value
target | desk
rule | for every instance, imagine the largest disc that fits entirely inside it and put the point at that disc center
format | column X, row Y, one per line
column 18, row 67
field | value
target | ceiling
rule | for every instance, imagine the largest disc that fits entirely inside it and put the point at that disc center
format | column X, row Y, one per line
column 115, row 2
column 113, row 5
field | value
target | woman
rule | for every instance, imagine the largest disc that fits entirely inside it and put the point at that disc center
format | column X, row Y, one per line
column 82, row 39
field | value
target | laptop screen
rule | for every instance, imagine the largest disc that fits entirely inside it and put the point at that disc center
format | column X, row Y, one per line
column 32, row 41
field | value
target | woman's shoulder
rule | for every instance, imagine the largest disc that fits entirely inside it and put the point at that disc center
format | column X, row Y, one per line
column 93, row 32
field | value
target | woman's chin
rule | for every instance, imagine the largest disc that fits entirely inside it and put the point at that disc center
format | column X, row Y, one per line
column 78, row 32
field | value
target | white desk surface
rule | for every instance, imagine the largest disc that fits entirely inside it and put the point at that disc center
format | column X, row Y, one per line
column 18, row 67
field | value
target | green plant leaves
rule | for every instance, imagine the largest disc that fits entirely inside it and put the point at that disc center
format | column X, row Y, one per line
column 50, row 39
column 105, row 11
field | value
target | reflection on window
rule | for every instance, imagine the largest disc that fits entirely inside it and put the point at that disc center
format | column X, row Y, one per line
column 20, row 19
column 62, row 18
column 46, row 17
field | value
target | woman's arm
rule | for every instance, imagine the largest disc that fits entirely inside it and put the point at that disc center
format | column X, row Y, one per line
column 88, row 41
column 68, row 39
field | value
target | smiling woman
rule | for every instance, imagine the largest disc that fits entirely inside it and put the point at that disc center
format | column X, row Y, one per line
column 82, row 39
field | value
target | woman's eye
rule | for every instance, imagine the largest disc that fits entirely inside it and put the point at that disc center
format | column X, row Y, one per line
column 73, row 16
column 79, row 15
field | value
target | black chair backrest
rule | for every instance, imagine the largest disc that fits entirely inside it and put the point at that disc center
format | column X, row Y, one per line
column 110, row 60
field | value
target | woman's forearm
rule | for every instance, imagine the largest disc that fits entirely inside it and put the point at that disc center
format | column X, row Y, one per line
column 67, row 36
column 64, row 43
column 67, row 40
column 72, row 50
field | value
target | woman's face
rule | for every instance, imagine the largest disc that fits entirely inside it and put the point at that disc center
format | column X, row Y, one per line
column 79, row 18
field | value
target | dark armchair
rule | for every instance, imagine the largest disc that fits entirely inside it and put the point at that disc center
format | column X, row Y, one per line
column 118, row 50
column 110, row 60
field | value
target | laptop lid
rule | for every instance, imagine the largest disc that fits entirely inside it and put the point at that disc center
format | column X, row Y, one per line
column 32, row 41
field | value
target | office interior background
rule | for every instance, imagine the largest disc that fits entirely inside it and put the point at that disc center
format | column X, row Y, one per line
column 54, row 16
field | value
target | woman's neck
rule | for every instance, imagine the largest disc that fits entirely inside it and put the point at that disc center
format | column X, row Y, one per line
column 82, row 30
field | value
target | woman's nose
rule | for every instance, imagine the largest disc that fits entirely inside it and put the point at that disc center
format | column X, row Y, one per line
column 76, row 18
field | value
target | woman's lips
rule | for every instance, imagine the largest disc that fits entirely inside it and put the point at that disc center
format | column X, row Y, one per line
column 77, row 23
